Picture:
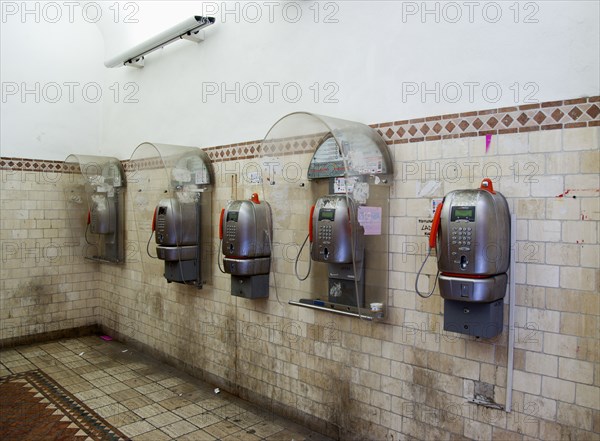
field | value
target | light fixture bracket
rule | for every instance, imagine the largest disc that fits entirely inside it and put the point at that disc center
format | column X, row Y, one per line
column 189, row 29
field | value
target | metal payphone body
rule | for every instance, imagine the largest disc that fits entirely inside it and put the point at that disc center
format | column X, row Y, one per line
column 334, row 231
column 103, row 189
column 180, row 178
column 473, row 249
column 246, row 229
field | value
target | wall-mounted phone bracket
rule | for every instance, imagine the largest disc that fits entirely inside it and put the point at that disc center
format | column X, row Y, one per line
column 344, row 170
column 96, row 204
column 170, row 190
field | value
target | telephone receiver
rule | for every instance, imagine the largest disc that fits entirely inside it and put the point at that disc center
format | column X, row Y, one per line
column 435, row 225
column 154, row 220
column 310, row 224
column 221, row 224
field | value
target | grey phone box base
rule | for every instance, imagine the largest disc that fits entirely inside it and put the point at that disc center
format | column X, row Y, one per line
column 250, row 287
column 181, row 271
column 476, row 319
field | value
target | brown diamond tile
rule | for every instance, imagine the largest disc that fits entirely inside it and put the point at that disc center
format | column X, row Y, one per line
column 401, row 132
column 507, row 120
column 450, row 126
column 412, row 130
column 463, row 125
column 389, row 132
column 492, row 122
column 557, row 115
column 575, row 113
column 523, row 118
column 539, row 117
column 437, row 128
column 477, row 123
column 424, row 129
column 593, row 111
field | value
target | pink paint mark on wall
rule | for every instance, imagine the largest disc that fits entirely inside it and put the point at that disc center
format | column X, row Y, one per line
column 488, row 141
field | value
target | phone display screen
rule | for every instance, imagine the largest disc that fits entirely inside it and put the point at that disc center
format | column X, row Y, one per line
column 463, row 213
column 232, row 216
column 327, row 214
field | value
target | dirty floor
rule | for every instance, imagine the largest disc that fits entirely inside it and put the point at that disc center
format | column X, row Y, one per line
column 147, row 400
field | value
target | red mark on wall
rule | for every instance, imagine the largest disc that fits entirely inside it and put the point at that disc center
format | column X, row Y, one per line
column 580, row 190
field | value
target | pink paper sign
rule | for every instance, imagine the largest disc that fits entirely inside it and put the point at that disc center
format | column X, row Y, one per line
column 370, row 219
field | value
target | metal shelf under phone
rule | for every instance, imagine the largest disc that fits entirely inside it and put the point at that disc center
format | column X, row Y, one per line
column 102, row 260
column 337, row 308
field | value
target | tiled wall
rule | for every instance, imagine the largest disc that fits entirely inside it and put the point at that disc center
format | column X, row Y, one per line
column 405, row 378
column 45, row 284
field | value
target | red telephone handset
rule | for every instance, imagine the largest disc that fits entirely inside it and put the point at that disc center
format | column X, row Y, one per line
column 221, row 224
column 154, row 220
column 435, row 225
column 89, row 217
column 310, row 224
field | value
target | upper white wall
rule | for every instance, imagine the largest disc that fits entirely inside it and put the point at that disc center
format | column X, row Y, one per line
column 52, row 80
column 366, row 61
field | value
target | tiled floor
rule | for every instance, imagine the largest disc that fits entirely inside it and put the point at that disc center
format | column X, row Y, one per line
column 147, row 400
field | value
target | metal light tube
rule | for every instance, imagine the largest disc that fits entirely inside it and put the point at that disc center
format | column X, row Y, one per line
column 183, row 29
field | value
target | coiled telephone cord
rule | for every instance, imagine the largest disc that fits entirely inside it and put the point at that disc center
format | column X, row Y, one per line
column 298, row 258
column 425, row 296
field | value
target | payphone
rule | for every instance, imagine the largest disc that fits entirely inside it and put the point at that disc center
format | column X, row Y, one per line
column 471, row 234
column 177, row 227
column 333, row 232
column 245, row 230
column 99, row 183
column 102, row 214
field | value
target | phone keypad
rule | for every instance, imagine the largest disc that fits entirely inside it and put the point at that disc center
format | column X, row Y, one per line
column 230, row 231
column 325, row 232
column 461, row 237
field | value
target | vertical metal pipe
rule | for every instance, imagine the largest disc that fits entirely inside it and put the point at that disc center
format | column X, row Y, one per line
column 511, row 313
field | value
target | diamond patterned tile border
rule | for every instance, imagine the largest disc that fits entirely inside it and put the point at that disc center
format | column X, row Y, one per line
column 582, row 112
column 552, row 115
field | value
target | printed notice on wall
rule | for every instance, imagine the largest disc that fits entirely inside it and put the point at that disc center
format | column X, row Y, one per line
column 425, row 226
column 370, row 219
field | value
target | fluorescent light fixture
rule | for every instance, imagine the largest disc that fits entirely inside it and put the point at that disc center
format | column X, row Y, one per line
column 188, row 29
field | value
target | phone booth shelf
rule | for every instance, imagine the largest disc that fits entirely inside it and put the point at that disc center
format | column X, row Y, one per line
column 342, row 265
column 95, row 195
